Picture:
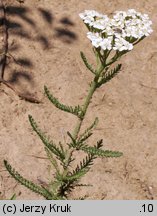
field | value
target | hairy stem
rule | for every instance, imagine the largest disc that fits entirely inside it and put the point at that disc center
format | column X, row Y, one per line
column 92, row 89
column 85, row 106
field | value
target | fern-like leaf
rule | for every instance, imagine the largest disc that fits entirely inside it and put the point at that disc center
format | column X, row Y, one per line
column 78, row 143
column 89, row 67
column 87, row 133
column 70, row 182
column 35, row 188
column 76, row 176
column 99, row 144
column 101, row 153
column 75, row 111
column 109, row 75
column 49, row 144
column 81, row 169
column 84, row 138
column 74, row 142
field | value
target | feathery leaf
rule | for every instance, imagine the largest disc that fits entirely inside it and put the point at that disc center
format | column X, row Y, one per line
column 109, row 75
column 49, row 144
column 75, row 111
column 74, row 142
column 89, row 67
column 101, row 153
column 99, row 144
column 87, row 133
column 35, row 188
column 81, row 169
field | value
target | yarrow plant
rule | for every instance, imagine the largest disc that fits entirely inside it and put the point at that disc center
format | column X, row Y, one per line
column 111, row 38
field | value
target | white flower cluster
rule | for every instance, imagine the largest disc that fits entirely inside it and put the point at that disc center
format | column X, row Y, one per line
column 117, row 33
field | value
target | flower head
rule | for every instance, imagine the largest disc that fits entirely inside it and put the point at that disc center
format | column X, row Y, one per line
column 117, row 33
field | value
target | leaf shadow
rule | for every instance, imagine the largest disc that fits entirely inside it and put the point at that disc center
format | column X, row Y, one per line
column 65, row 35
column 16, row 77
column 46, row 15
column 17, row 18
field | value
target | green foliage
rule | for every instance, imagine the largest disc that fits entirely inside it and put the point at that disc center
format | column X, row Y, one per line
column 82, row 168
column 30, row 185
column 109, row 75
column 76, row 110
column 48, row 143
column 89, row 67
column 97, row 151
column 65, row 179
column 100, row 152
column 87, row 133
column 83, row 137
column 74, row 142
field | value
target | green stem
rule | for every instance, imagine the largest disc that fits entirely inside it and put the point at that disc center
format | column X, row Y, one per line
column 85, row 106
column 92, row 89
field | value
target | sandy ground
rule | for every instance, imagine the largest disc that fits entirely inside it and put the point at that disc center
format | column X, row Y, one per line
column 45, row 37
